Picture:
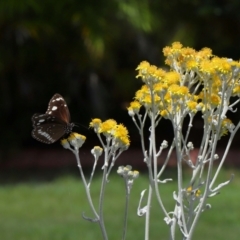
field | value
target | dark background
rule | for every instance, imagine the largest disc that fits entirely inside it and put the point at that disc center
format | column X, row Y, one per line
column 87, row 51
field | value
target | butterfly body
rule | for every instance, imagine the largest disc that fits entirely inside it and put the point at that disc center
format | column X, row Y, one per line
column 54, row 124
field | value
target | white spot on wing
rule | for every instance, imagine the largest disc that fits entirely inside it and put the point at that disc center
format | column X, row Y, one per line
column 54, row 108
column 45, row 134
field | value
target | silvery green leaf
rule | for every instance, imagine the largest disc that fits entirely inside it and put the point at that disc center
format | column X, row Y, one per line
column 175, row 197
column 141, row 211
column 89, row 219
column 168, row 220
column 213, row 194
column 165, row 180
column 223, row 184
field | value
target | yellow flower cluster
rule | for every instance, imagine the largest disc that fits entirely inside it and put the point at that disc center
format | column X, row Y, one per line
column 195, row 82
column 75, row 140
column 193, row 192
column 236, row 90
column 226, row 125
column 112, row 130
column 127, row 172
column 162, row 91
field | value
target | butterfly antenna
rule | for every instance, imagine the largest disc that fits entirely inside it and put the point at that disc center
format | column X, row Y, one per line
column 75, row 125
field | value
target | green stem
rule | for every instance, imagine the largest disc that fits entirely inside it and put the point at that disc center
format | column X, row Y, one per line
column 177, row 135
column 205, row 195
column 85, row 183
column 225, row 154
column 126, row 210
column 147, row 219
column 101, row 198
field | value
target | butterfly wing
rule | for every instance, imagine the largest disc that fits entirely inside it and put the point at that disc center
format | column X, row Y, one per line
column 48, row 132
column 38, row 119
column 54, row 124
column 58, row 108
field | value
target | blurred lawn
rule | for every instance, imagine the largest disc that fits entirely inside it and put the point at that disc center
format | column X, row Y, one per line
column 52, row 211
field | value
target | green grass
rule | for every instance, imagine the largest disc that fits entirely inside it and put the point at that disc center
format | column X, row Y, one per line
column 52, row 211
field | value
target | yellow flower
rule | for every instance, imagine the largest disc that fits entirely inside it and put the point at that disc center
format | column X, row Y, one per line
column 96, row 122
column 176, row 46
column 159, row 73
column 147, row 100
column 192, row 105
column 133, row 174
column 217, row 83
column 172, row 52
column 160, row 87
column 75, row 135
column 164, row 113
column 204, row 53
column 143, row 65
column 134, row 108
column 235, row 63
column 140, row 94
column 207, row 66
column 222, row 65
column 209, row 101
column 177, row 90
column 120, row 130
column 135, row 105
column 201, row 95
column 189, row 189
column 215, row 100
column 236, row 91
column 76, row 139
column 188, row 52
column 120, row 133
column 97, row 152
column 167, row 97
column 148, row 73
column 125, row 141
column 172, row 78
column 153, row 75
column 191, row 64
column 166, row 51
column 198, row 193
column 151, row 70
column 226, row 123
column 65, row 143
column 107, row 126
column 195, row 97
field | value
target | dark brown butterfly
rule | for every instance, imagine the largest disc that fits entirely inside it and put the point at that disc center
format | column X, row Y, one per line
column 54, row 124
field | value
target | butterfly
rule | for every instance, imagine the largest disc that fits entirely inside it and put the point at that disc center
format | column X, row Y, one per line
column 54, row 124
